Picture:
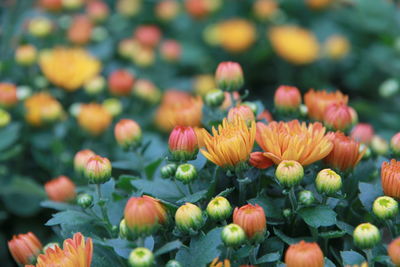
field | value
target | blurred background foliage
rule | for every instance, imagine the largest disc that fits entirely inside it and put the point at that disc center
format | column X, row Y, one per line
column 366, row 67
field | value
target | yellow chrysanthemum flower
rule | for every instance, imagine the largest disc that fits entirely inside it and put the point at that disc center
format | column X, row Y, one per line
column 294, row 44
column 293, row 141
column 75, row 253
column 69, row 68
column 229, row 146
column 236, row 35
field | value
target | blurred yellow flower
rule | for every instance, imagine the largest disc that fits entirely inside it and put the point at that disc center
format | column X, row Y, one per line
column 42, row 108
column 94, row 118
column 264, row 9
column 230, row 145
column 236, row 35
column 336, row 47
column 69, row 68
column 294, row 44
column 203, row 84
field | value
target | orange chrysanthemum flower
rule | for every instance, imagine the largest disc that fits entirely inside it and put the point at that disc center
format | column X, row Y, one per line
column 318, row 101
column 25, row 248
column 75, row 253
column 42, row 108
column 346, row 152
column 394, row 251
column 293, row 141
column 94, row 118
column 217, row 263
column 229, row 146
column 60, row 189
column 390, row 175
column 179, row 108
column 304, row 254
column 69, row 68
column 252, row 219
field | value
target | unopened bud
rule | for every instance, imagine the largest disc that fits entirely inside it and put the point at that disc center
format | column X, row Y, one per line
column 186, row 173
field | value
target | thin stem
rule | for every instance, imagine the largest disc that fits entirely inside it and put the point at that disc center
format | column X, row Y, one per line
column 179, row 189
column 242, row 192
column 292, row 199
column 253, row 254
column 233, row 101
column 368, row 253
column 102, row 207
column 228, row 253
column 324, row 199
column 190, row 188
column 389, row 226
column 314, row 233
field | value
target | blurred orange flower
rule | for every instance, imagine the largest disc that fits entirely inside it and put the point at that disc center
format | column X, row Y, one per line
column 236, row 35
column 318, row 101
column 94, row 118
column 42, row 108
column 293, row 141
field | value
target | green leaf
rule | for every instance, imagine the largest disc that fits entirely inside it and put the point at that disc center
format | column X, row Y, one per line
column 170, row 246
column 196, row 197
column 270, row 257
column 345, row 227
column 290, row 240
column 9, row 135
column 56, row 205
column 105, row 257
column 272, row 207
column 121, row 246
column 159, row 188
column 332, row 234
column 329, row 263
column 368, row 194
column 318, row 216
column 22, row 196
column 351, row 257
column 151, row 168
column 202, row 249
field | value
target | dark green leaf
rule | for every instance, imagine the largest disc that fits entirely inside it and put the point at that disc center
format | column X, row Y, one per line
column 290, row 240
column 151, row 168
column 159, row 188
column 193, row 198
column 332, row 234
column 270, row 257
column 351, row 257
column 271, row 206
column 368, row 193
column 170, row 246
column 9, row 135
column 318, row 216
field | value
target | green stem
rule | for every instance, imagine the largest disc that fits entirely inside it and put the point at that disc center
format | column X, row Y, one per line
column 242, row 192
column 102, row 207
column 324, row 199
column 253, row 255
column 292, row 199
column 389, row 226
column 228, row 253
column 140, row 242
column 190, row 188
column 368, row 253
column 233, row 101
column 314, row 233
column 179, row 189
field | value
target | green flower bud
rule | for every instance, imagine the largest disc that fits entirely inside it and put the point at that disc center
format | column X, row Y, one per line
column 379, row 145
column 366, row 236
column 99, row 34
column 95, row 85
column 253, row 106
column 186, row 173
column 306, row 197
column 328, row 182
column 123, row 229
column 85, row 200
column 233, row 235
column 287, row 213
column 219, row 209
column 141, row 257
column 367, row 153
column 214, row 98
column 289, row 173
column 189, row 218
column 389, row 88
column 385, row 208
column 303, row 110
column 168, row 170
column 5, row 118
column 173, row 263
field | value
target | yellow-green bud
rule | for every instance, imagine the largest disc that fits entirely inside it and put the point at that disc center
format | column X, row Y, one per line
column 389, row 88
column 379, row 145
column 219, row 208
column 289, row 173
column 303, row 110
column 173, row 263
column 95, row 85
column 123, row 229
column 367, row 153
column 141, row 257
column 328, row 182
column 113, row 106
column 99, row 34
column 306, row 197
column 214, row 98
column 85, row 200
column 385, row 207
column 233, row 235
column 287, row 213
column 366, row 236
column 189, row 218
column 186, row 173
column 168, row 170
column 40, row 26
column 5, row 118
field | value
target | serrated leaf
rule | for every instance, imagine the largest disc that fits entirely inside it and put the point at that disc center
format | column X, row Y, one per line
column 159, row 188
column 202, row 249
column 193, row 198
column 351, row 257
column 318, row 216
column 368, row 194
column 289, row 240
column 270, row 257
column 170, row 246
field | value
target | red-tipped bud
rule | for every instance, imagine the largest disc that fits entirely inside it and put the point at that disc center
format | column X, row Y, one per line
column 97, row 10
column 395, row 144
column 259, row 161
column 60, row 189
column 81, row 158
column 25, row 248
column 171, row 50
column 304, row 254
column 98, row 170
column 80, row 30
column 287, row 98
column 120, row 82
column 183, row 143
column 338, row 117
column 363, row 133
column 229, row 76
column 148, row 35
column 143, row 216
column 127, row 133
column 244, row 112
column 8, row 95
column 253, row 221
